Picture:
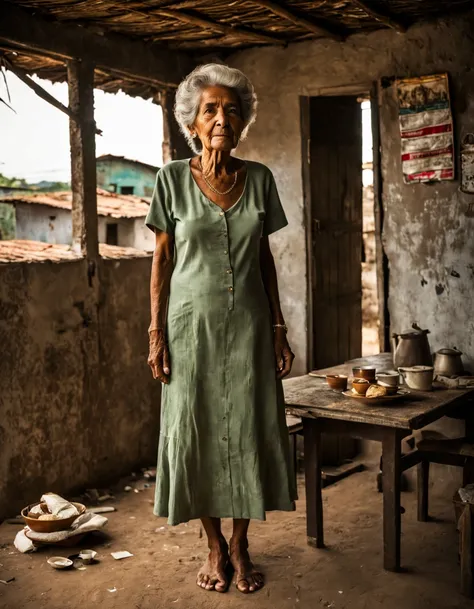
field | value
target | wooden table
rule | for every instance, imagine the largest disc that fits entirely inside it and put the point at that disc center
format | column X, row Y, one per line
column 327, row 411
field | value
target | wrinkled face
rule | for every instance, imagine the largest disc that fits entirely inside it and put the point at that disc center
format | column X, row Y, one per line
column 219, row 122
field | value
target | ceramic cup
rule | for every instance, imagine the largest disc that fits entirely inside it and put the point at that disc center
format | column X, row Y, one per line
column 364, row 372
column 389, row 378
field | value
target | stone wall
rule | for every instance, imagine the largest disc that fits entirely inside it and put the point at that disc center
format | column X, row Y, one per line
column 428, row 229
column 78, row 405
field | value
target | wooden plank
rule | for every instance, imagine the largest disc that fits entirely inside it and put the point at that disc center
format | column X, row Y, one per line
column 214, row 26
column 83, row 163
column 391, row 481
column 313, row 483
column 306, row 176
column 306, row 394
column 336, row 210
column 378, row 16
column 381, row 260
column 108, row 51
column 285, row 13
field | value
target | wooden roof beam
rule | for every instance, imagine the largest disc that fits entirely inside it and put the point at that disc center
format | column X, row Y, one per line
column 208, row 24
column 285, row 13
column 385, row 19
column 111, row 51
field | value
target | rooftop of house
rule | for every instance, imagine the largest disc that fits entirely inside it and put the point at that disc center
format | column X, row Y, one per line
column 183, row 33
column 108, row 203
column 18, row 250
column 112, row 157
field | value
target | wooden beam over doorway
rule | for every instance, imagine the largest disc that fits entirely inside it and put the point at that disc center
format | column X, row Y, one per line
column 83, row 165
column 109, row 51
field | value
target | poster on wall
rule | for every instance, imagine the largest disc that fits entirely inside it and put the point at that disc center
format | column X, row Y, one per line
column 426, row 128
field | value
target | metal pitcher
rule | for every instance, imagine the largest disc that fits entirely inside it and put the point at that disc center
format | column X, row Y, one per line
column 411, row 348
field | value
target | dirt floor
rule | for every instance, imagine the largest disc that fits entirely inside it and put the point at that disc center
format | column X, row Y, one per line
column 161, row 574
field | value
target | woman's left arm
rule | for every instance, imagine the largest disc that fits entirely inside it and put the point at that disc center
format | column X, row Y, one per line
column 283, row 354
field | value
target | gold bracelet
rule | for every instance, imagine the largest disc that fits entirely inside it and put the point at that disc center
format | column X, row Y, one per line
column 284, row 326
column 155, row 330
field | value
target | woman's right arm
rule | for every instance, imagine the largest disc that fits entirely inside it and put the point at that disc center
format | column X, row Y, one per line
column 161, row 271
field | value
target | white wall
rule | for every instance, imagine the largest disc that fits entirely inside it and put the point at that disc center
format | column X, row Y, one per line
column 43, row 223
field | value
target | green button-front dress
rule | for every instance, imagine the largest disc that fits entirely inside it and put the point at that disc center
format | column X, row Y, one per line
column 223, row 448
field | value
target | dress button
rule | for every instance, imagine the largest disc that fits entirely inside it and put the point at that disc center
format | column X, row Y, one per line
column 226, row 252
column 225, row 438
column 231, row 289
column 221, row 213
column 229, row 271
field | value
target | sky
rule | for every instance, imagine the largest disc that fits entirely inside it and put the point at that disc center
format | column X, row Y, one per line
column 34, row 142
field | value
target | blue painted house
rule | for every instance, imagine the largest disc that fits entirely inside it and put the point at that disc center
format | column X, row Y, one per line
column 125, row 176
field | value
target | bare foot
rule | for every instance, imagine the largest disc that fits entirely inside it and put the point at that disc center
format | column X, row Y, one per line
column 247, row 578
column 212, row 574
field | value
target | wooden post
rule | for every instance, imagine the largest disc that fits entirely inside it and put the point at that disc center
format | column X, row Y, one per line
column 174, row 144
column 391, row 479
column 466, row 550
column 314, row 499
column 83, row 163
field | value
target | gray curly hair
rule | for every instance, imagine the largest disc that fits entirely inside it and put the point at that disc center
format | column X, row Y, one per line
column 188, row 97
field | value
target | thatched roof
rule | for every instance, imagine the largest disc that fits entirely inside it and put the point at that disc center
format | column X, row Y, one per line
column 201, row 27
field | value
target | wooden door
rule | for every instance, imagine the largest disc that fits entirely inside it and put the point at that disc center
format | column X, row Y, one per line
column 334, row 193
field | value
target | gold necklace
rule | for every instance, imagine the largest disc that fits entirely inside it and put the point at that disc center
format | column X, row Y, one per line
column 217, row 192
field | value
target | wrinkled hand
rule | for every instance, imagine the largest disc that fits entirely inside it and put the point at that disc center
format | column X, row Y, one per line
column 159, row 357
column 283, row 354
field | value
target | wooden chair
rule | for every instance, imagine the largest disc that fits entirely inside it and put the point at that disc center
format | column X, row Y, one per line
column 458, row 452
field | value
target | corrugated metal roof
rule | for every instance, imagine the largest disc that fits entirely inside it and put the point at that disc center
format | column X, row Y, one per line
column 19, row 250
column 108, row 203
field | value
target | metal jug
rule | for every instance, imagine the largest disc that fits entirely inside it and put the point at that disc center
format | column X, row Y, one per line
column 448, row 362
column 411, row 348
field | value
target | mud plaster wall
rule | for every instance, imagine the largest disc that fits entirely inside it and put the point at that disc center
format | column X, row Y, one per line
column 77, row 402
column 428, row 232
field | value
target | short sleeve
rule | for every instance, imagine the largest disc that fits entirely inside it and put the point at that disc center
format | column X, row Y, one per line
column 275, row 217
column 160, row 214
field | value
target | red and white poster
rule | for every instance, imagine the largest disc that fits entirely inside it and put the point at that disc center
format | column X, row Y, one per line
column 426, row 128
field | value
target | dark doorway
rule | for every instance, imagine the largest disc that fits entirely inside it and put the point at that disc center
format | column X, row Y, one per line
column 334, row 156
column 111, row 236
column 343, row 234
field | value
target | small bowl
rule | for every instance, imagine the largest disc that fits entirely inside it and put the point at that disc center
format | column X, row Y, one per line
column 59, row 562
column 364, row 372
column 388, row 378
column 337, row 381
column 49, row 526
column 87, row 556
column 360, row 385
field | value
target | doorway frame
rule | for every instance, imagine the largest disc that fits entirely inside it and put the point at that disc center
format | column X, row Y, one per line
column 371, row 91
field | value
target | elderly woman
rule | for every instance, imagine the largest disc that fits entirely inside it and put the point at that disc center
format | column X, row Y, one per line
column 217, row 335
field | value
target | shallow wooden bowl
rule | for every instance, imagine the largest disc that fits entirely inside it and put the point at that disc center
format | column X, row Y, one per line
column 49, row 526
